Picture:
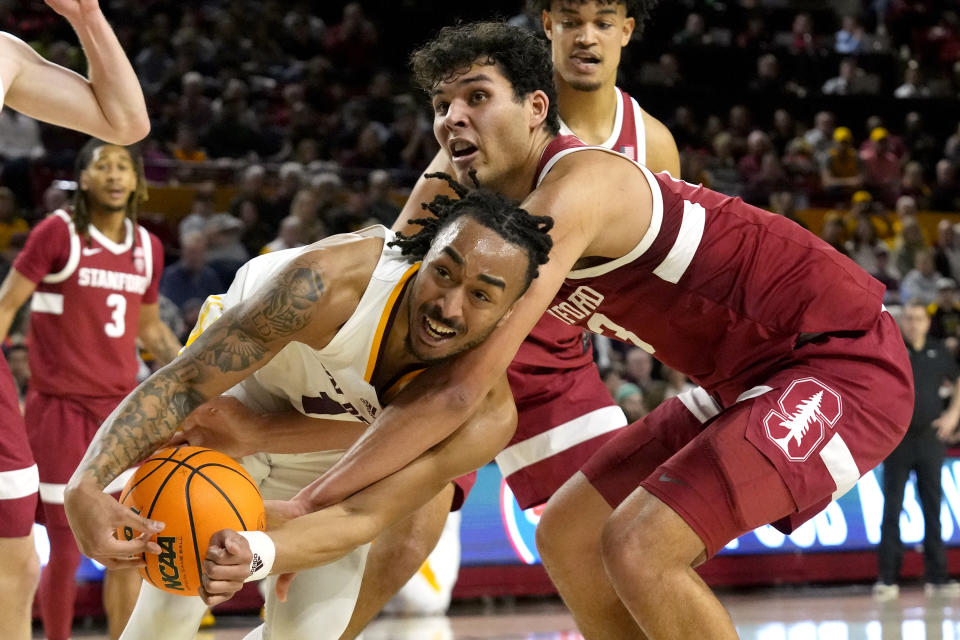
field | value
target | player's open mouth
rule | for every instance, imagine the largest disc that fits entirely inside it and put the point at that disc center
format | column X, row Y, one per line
column 437, row 331
column 462, row 150
column 585, row 61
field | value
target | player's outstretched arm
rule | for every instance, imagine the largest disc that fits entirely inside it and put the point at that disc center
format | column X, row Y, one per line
column 156, row 336
column 109, row 104
column 226, row 424
column 331, row 533
column 305, row 302
column 14, row 291
column 425, row 190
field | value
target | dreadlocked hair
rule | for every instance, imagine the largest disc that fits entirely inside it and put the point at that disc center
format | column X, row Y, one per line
column 639, row 10
column 492, row 210
column 81, row 214
column 522, row 57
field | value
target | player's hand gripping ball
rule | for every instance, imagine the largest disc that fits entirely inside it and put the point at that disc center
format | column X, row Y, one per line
column 196, row 492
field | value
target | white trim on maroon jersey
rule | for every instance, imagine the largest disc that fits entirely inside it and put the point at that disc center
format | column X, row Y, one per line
column 52, row 493
column 840, row 463
column 47, row 302
column 641, row 129
column 74, row 259
column 656, row 220
column 685, row 246
column 560, row 438
column 147, row 245
column 111, row 246
column 754, row 392
column 699, row 403
column 19, row 483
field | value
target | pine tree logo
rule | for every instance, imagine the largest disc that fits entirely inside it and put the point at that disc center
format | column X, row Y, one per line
column 807, row 408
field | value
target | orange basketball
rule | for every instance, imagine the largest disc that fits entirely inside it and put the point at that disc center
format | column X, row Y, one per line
column 196, row 492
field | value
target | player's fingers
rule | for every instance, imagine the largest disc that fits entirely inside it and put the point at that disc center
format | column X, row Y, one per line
column 234, row 573
column 283, row 585
column 212, row 600
column 129, row 518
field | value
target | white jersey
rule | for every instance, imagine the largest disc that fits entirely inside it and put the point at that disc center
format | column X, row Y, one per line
column 332, row 382
column 629, row 135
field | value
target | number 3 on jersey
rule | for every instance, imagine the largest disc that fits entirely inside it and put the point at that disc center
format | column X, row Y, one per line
column 118, row 324
column 598, row 322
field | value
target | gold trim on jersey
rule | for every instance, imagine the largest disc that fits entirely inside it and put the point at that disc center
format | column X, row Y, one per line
column 211, row 310
column 386, row 319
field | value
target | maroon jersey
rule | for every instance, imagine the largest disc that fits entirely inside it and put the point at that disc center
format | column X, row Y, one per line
column 717, row 289
column 85, row 312
column 554, row 344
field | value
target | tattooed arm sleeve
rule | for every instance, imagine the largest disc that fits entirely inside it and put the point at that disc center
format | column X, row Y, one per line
column 235, row 346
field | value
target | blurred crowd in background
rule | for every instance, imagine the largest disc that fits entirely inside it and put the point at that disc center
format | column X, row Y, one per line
column 286, row 122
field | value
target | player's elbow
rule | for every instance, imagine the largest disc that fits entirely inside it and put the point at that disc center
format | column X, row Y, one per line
column 129, row 131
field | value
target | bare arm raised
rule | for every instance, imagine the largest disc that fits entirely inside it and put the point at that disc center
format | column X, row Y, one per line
column 307, row 302
column 109, row 104
column 601, row 206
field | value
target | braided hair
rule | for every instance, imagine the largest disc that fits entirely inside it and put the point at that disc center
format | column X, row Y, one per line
column 492, row 210
column 81, row 213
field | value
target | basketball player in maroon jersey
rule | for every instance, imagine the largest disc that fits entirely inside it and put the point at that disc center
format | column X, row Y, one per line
column 109, row 104
column 805, row 382
column 565, row 411
column 93, row 275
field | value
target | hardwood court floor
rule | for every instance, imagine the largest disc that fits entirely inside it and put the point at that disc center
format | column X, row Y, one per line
column 847, row 613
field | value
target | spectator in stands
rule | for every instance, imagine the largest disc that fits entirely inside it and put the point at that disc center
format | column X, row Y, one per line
column 194, row 108
column 352, row 44
column 253, row 187
column 380, row 205
column 850, row 38
column 770, row 179
column 862, row 248
column 785, row 204
column 920, row 283
column 946, row 255
column 847, row 81
column 21, row 146
column 912, row 86
column 186, row 147
column 951, row 149
column 255, row 232
column 914, row 185
column 292, row 178
column 834, row 232
column 944, row 312
column 190, row 277
column 842, row 173
column 721, row 167
column 921, row 451
column 945, row 195
column 677, row 382
column 368, row 152
column 922, row 146
column 235, row 131
column 885, row 275
column 202, row 208
column 290, row 236
column 881, row 166
column 10, row 221
column 225, row 250
column 630, row 398
column 784, row 130
column 758, row 144
column 820, row 137
column 803, row 172
column 410, row 143
column 694, row 32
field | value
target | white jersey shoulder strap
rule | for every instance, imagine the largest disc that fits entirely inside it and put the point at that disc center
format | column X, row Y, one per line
column 74, row 259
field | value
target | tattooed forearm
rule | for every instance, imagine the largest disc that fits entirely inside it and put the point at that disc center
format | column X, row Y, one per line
column 288, row 306
column 146, row 419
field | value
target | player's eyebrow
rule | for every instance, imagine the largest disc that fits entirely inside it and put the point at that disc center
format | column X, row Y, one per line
column 479, row 77
column 573, row 11
column 456, row 257
column 493, row 280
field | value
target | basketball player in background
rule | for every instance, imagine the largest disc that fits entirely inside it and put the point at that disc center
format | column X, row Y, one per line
column 110, row 105
column 565, row 410
column 333, row 329
column 93, row 274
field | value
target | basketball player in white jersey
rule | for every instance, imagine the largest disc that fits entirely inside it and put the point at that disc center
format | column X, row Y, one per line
column 565, row 411
column 332, row 329
column 110, row 105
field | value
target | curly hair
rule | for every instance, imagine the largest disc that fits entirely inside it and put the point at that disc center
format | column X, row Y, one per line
column 639, row 10
column 522, row 57
column 492, row 210
column 81, row 214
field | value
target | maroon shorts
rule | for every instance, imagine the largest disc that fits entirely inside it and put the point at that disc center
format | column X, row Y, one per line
column 18, row 473
column 564, row 417
column 793, row 442
column 60, row 430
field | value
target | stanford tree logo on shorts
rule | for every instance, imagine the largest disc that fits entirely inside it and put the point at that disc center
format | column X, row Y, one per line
column 806, row 408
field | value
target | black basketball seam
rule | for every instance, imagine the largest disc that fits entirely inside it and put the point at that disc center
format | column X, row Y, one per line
column 196, row 471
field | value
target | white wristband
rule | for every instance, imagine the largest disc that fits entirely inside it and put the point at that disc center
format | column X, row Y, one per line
column 264, row 553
